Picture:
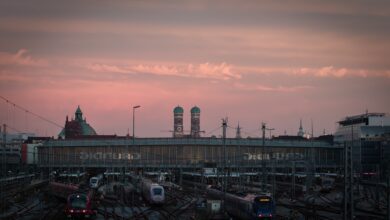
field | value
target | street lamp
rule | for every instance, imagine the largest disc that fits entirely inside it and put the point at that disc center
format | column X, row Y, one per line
column 139, row 149
column 134, row 107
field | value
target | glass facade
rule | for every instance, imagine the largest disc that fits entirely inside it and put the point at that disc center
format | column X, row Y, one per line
column 186, row 154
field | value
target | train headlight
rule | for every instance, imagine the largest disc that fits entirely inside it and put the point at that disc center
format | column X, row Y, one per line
column 260, row 215
column 84, row 211
column 71, row 211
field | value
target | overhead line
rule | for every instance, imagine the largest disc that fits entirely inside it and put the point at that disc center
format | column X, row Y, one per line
column 14, row 129
column 30, row 112
column 212, row 131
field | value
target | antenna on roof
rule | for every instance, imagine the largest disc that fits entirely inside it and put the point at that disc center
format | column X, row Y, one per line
column 312, row 128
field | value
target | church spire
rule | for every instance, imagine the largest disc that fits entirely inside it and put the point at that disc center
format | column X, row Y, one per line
column 238, row 131
column 300, row 131
column 78, row 114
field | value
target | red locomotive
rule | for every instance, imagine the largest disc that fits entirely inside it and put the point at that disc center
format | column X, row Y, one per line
column 80, row 205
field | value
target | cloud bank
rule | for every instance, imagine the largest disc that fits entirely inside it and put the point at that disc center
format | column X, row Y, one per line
column 222, row 71
column 21, row 58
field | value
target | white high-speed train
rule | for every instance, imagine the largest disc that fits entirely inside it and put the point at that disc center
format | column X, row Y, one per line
column 153, row 193
column 96, row 181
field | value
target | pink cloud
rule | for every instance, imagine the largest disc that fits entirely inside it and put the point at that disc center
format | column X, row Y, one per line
column 326, row 71
column 330, row 71
column 323, row 72
column 265, row 88
column 21, row 58
column 157, row 69
column 206, row 70
column 107, row 68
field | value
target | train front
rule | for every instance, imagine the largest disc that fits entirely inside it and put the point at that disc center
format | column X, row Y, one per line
column 264, row 207
column 79, row 205
column 157, row 194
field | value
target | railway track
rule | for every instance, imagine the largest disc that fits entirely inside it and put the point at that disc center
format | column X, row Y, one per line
column 122, row 206
column 54, row 212
column 177, row 202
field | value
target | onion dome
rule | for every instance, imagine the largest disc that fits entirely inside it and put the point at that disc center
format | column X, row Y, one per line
column 178, row 110
column 195, row 109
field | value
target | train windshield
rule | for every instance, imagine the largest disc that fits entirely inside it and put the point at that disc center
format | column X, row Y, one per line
column 78, row 201
column 264, row 206
column 93, row 180
column 264, row 202
column 157, row 191
column 327, row 182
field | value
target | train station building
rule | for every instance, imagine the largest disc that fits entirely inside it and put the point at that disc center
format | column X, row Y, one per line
column 82, row 148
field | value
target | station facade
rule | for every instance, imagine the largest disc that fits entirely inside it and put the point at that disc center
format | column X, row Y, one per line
column 185, row 150
column 187, row 153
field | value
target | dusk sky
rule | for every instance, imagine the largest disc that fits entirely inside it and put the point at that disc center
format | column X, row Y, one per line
column 276, row 61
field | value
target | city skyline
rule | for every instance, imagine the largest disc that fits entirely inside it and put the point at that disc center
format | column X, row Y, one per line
column 256, row 61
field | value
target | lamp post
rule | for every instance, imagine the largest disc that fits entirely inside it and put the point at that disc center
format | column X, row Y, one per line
column 134, row 107
column 263, row 165
column 139, row 149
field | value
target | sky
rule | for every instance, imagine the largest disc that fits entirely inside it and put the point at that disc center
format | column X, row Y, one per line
column 273, row 61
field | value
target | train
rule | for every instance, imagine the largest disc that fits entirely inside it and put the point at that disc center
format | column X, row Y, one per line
column 96, row 181
column 264, row 207
column 153, row 193
column 16, row 181
column 327, row 184
column 80, row 205
column 62, row 190
column 248, row 207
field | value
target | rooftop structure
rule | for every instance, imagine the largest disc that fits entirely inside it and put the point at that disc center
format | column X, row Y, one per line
column 367, row 119
column 178, row 110
column 178, row 121
column 77, row 126
column 178, row 128
column 195, row 121
column 301, row 133
column 195, row 109
column 367, row 135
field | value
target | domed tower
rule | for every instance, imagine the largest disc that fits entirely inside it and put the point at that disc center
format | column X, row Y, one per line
column 76, row 127
column 195, row 122
column 178, row 121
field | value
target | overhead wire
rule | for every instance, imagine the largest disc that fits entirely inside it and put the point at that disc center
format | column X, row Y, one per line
column 14, row 129
column 30, row 112
column 247, row 133
column 212, row 131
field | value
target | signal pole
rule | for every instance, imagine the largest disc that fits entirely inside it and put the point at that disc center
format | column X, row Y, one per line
column 348, row 179
column 4, row 149
column 263, row 168
column 133, row 142
column 224, row 125
column 388, row 195
column 4, row 164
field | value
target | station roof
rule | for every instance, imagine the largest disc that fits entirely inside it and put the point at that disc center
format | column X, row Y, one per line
column 206, row 141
